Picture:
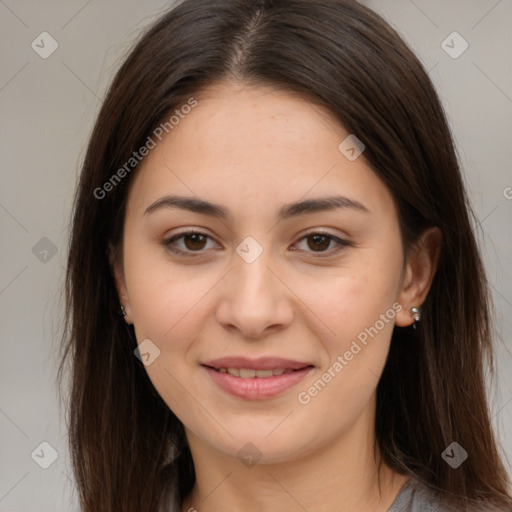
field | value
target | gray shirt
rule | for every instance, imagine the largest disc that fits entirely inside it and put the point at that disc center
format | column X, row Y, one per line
column 414, row 496
column 417, row 497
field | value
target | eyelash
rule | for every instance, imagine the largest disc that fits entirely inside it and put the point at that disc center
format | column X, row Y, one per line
column 168, row 244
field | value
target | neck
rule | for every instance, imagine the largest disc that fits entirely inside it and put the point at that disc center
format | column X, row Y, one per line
column 342, row 475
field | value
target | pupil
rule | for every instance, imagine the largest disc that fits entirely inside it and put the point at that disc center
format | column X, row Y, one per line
column 194, row 237
column 317, row 238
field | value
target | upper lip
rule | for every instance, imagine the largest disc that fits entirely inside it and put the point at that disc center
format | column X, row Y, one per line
column 263, row 363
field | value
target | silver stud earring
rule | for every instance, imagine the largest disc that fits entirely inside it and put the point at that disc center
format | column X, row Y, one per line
column 416, row 314
column 122, row 311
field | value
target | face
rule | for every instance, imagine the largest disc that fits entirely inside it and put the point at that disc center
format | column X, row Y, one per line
column 312, row 291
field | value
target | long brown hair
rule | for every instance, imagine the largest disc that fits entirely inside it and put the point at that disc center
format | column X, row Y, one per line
column 126, row 445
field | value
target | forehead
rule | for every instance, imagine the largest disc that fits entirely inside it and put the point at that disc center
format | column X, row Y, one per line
column 254, row 146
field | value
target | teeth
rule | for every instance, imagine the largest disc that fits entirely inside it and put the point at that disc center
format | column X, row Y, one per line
column 263, row 373
column 248, row 373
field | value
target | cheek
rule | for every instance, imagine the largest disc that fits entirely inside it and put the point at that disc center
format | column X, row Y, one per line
column 360, row 319
column 161, row 294
column 166, row 311
column 169, row 313
column 357, row 308
column 353, row 299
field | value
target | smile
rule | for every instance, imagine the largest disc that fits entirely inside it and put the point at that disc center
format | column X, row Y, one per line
column 247, row 373
column 251, row 384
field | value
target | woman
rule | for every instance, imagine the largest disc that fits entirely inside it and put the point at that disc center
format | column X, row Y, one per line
column 271, row 199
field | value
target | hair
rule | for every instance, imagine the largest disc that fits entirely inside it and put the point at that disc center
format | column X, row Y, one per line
column 126, row 445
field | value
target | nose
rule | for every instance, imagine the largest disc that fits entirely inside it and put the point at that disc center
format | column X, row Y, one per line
column 255, row 299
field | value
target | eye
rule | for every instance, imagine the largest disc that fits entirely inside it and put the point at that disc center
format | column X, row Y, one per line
column 319, row 241
column 194, row 241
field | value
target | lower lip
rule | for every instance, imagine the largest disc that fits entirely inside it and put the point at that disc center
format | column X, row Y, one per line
column 255, row 388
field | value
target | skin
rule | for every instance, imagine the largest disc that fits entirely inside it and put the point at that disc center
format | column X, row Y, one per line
column 272, row 147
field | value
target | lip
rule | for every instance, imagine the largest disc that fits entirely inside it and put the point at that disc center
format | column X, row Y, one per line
column 256, row 388
column 263, row 363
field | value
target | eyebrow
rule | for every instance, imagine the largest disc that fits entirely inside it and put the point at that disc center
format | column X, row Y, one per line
column 287, row 211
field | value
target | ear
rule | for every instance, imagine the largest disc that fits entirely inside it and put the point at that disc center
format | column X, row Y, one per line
column 117, row 271
column 420, row 268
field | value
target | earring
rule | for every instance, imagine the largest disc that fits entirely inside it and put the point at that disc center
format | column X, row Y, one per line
column 416, row 314
column 122, row 311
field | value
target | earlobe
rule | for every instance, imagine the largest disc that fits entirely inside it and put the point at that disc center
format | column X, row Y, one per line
column 117, row 272
column 421, row 266
column 409, row 315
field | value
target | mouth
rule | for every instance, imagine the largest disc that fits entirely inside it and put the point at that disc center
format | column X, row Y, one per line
column 250, row 373
column 256, row 379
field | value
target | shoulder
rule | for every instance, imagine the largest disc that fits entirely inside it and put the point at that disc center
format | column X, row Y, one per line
column 417, row 497
column 414, row 496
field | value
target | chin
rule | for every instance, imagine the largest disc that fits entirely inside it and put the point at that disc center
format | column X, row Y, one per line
column 258, row 447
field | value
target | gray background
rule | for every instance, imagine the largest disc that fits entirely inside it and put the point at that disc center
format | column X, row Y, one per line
column 47, row 110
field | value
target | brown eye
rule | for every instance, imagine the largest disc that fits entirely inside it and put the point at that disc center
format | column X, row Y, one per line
column 196, row 241
column 318, row 242
column 191, row 242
